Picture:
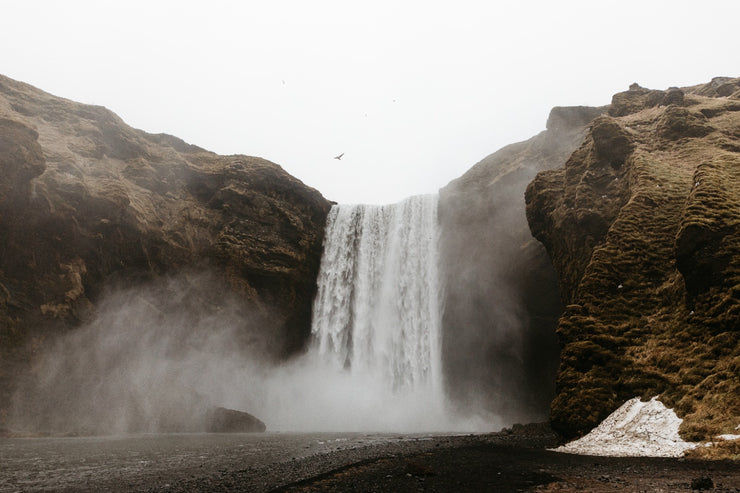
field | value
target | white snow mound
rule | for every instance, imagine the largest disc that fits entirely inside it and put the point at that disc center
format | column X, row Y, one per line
column 637, row 429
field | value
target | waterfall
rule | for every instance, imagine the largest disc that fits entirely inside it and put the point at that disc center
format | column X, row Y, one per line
column 377, row 309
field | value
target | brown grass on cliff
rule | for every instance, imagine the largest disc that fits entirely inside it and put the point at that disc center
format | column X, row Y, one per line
column 652, row 279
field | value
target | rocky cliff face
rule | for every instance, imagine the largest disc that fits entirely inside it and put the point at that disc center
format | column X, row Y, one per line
column 643, row 228
column 88, row 203
column 501, row 295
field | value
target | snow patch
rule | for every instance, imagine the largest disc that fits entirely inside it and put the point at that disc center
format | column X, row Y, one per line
column 729, row 437
column 636, row 429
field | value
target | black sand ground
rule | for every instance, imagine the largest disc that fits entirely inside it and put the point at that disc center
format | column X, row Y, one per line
column 500, row 462
column 490, row 467
column 495, row 463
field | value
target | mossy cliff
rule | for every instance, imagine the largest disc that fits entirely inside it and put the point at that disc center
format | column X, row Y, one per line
column 501, row 297
column 642, row 225
column 88, row 203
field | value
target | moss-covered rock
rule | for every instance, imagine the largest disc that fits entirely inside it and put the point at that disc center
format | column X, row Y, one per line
column 678, row 123
column 635, row 100
column 87, row 203
column 648, row 258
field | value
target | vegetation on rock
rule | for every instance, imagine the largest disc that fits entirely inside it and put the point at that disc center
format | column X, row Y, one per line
column 642, row 225
column 88, row 203
column 637, row 206
column 501, row 297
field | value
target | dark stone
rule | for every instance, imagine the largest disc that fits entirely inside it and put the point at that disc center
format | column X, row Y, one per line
column 88, row 204
column 640, row 225
column 700, row 258
column 674, row 95
column 635, row 100
column 611, row 142
column 21, row 160
column 416, row 468
column 501, row 300
column 702, row 483
column 222, row 420
column 677, row 123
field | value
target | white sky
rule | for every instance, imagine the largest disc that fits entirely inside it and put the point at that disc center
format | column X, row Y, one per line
column 413, row 92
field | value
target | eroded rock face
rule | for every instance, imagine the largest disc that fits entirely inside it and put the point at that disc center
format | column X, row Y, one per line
column 501, row 296
column 642, row 228
column 88, row 203
column 21, row 160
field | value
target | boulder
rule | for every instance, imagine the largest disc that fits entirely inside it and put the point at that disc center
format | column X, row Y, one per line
column 222, row 420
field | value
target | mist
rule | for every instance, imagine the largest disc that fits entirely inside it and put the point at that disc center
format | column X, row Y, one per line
column 157, row 357
column 151, row 358
column 502, row 303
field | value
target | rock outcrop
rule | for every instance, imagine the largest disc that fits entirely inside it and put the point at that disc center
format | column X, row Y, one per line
column 501, row 296
column 643, row 228
column 88, row 203
column 222, row 420
column 636, row 204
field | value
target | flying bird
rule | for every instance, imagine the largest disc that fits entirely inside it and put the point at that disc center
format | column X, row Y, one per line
column 339, row 157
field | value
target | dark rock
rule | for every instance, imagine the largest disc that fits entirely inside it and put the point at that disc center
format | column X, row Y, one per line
column 674, row 95
column 641, row 228
column 416, row 468
column 88, row 203
column 595, row 187
column 718, row 87
column 677, row 123
column 611, row 142
column 501, row 300
column 21, row 160
column 702, row 483
column 634, row 100
column 222, row 420
column 700, row 257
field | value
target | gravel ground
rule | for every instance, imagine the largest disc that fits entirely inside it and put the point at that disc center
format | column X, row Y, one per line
column 498, row 462
column 517, row 461
column 503, row 468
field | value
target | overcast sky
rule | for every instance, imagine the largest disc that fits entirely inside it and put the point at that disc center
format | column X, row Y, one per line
column 412, row 92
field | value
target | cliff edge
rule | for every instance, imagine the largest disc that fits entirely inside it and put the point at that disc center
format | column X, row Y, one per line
column 88, row 203
column 642, row 225
column 501, row 302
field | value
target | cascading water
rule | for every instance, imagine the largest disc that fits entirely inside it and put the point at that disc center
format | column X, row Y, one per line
column 377, row 310
column 374, row 364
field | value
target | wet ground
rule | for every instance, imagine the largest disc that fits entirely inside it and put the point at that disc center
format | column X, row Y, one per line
column 337, row 462
column 161, row 462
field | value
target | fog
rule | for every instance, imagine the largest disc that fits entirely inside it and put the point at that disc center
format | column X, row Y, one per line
column 157, row 357
column 412, row 92
column 502, row 305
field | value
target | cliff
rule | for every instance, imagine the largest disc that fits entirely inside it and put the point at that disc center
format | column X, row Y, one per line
column 633, row 290
column 501, row 295
column 642, row 225
column 88, row 203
